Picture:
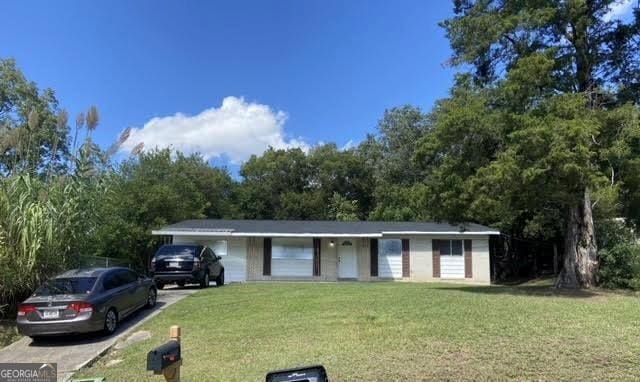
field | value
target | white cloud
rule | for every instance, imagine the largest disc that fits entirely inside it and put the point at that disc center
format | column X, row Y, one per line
column 235, row 130
column 619, row 10
column 349, row 145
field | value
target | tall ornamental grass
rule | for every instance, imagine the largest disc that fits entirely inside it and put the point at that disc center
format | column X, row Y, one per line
column 42, row 225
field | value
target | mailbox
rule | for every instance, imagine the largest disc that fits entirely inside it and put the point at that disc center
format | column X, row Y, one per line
column 163, row 356
column 300, row 374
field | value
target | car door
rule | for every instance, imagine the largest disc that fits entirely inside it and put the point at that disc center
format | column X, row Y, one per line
column 113, row 286
column 214, row 264
column 140, row 288
column 128, row 288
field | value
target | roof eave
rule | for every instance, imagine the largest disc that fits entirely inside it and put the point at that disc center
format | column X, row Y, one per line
column 258, row 234
column 327, row 234
column 441, row 232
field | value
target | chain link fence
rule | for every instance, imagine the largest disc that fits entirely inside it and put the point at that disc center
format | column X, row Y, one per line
column 102, row 262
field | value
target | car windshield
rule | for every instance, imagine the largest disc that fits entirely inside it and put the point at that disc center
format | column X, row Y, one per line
column 72, row 285
column 184, row 252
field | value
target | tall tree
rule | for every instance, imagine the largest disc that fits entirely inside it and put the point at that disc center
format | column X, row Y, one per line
column 154, row 189
column 558, row 70
column 33, row 131
column 344, row 180
column 398, row 193
column 267, row 178
column 400, row 130
column 321, row 184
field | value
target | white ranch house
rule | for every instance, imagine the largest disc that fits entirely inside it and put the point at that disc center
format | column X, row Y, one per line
column 268, row 250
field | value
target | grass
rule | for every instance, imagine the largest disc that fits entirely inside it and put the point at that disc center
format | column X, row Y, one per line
column 395, row 332
column 8, row 332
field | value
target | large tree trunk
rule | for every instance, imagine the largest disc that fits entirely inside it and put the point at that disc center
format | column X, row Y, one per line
column 580, row 262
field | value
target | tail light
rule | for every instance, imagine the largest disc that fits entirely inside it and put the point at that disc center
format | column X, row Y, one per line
column 80, row 307
column 25, row 309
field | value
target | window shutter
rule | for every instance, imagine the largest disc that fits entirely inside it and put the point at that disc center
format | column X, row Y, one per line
column 316, row 256
column 435, row 243
column 373, row 248
column 266, row 261
column 468, row 262
column 406, row 272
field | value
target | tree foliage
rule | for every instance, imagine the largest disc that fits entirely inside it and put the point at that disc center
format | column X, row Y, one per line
column 541, row 132
column 33, row 131
column 289, row 184
column 152, row 190
column 619, row 255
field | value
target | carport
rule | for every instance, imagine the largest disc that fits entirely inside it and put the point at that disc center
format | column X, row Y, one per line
column 232, row 251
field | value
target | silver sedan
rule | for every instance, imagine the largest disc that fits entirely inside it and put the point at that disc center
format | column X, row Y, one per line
column 85, row 300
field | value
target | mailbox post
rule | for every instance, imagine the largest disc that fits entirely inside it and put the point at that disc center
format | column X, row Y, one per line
column 172, row 373
column 167, row 359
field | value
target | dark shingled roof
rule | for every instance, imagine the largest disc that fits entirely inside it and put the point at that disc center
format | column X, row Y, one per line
column 320, row 226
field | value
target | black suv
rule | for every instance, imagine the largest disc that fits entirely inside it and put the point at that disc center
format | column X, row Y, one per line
column 186, row 263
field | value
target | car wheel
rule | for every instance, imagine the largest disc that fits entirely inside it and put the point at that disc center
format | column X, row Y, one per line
column 110, row 321
column 205, row 280
column 152, row 298
column 180, row 283
column 220, row 279
column 159, row 285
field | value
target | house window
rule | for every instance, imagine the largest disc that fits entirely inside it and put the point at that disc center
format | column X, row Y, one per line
column 451, row 247
column 292, row 249
column 390, row 247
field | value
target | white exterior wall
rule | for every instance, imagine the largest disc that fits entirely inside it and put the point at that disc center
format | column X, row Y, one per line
column 235, row 261
column 421, row 258
column 480, row 257
column 244, row 259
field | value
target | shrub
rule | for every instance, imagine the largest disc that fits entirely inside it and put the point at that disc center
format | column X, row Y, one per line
column 620, row 266
column 619, row 252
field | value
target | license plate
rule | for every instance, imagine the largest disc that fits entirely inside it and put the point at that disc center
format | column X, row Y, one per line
column 174, row 265
column 50, row 314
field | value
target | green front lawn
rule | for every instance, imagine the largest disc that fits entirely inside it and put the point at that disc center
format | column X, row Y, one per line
column 395, row 331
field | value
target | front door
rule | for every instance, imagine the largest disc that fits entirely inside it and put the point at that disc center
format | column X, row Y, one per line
column 347, row 260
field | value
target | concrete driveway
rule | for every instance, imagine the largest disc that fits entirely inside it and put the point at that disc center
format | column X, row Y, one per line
column 73, row 352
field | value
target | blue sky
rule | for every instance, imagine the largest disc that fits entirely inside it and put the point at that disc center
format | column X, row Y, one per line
column 228, row 79
column 303, row 72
